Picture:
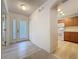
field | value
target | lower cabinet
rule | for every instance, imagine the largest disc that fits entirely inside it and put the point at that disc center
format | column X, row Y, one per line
column 71, row 36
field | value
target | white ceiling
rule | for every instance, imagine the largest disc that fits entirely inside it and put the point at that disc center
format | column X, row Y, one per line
column 69, row 8
column 13, row 5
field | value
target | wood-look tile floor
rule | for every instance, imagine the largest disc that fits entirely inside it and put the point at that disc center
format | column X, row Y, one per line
column 67, row 50
column 42, row 54
column 19, row 50
column 25, row 50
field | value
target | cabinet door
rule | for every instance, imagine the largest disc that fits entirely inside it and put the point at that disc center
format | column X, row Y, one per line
column 68, row 22
column 75, row 21
column 67, row 36
column 71, row 36
column 74, row 37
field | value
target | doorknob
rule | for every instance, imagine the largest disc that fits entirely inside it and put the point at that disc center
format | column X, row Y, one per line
column 17, row 31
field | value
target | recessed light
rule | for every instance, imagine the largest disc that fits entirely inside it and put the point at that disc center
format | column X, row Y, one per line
column 59, row 10
column 63, row 14
column 23, row 7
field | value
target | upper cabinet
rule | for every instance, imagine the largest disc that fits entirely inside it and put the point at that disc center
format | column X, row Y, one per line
column 73, row 21
column 68, row 22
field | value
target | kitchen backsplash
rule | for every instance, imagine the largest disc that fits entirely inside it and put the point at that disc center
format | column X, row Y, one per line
column 71, row 29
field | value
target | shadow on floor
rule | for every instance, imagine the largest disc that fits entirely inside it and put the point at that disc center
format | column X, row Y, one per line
column 41, row 55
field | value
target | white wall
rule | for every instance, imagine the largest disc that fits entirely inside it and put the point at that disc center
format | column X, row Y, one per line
column 6, row 7
column 5, row 12
column 39, row 26
column 54, row 29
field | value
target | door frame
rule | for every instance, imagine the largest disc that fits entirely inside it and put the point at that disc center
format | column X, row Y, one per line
column 18, row 27
column 3, row 41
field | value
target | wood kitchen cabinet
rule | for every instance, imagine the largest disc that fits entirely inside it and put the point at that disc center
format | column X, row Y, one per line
column 71, row 36
column 68, row 22
column 75, row 21
column 72, row 21
column 67, row 36
column 74, row 37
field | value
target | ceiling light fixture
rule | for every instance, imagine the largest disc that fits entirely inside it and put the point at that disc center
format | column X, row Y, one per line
column 63, row 14
column 23, row 7
column 59, row 10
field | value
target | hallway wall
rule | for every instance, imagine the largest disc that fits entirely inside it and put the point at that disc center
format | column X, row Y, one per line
column 40, row 27
column 53, row 30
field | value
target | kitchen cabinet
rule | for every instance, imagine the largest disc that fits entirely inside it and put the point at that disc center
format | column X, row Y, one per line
column 74, row 37
column 75, row 21
column 71, row 21
column 71, row 37
column 68, row 22
column 67, row 36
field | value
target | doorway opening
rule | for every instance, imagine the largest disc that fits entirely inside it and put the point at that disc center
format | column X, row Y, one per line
column 19, row 29
column 67, row 26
